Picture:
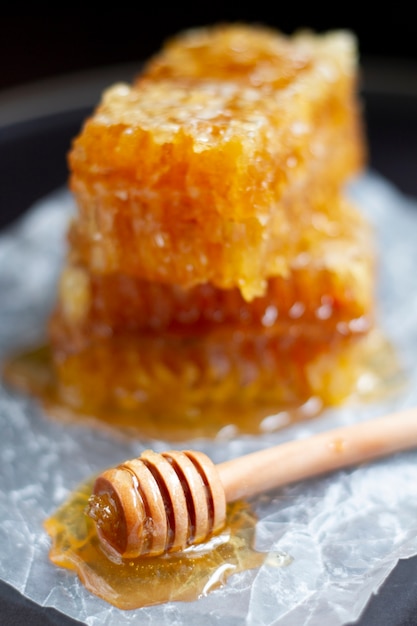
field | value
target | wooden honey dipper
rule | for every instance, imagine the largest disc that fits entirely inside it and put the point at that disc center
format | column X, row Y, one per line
column 161, row 503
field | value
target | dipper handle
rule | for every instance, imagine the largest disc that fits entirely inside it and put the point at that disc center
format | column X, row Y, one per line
column 328, row 451
column 162, row 503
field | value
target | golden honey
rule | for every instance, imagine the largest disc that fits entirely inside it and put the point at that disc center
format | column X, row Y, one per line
column 134, row 583
column 133, row 395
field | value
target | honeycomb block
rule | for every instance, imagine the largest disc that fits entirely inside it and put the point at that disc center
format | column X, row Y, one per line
column 330, row 288
column 208, row 176
column 214, row 256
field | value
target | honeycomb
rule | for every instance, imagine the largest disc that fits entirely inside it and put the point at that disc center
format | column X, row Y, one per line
column 329, row 288
column 189, row 181
column 217, row 272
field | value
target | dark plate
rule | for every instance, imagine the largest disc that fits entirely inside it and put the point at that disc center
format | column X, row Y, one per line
column 37, row 123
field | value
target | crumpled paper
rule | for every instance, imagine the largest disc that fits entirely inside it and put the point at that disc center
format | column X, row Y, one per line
column 344, row 532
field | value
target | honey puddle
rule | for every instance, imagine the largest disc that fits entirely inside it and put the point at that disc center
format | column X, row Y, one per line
column 193, row 573
column 145, row 581
column 374, row 368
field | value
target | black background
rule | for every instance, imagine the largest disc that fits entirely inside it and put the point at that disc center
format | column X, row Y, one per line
column 34, row 47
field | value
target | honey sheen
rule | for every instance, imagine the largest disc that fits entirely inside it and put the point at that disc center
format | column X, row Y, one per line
column 134, row 583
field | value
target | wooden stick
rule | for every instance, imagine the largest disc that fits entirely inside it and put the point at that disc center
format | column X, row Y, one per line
column 304, row 458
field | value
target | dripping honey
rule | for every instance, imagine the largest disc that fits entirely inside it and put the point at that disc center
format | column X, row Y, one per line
column 368, row 372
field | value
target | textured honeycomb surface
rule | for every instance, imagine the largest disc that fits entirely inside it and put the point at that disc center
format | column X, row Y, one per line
column 216, row 271
column 330, row 288
column 190, row 181
column 257, row 56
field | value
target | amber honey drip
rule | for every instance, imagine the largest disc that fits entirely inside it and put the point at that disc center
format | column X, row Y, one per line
column 145, row 581
column 370, row 372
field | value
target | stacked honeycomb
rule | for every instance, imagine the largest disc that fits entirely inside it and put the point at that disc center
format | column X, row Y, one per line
column 214, row 260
